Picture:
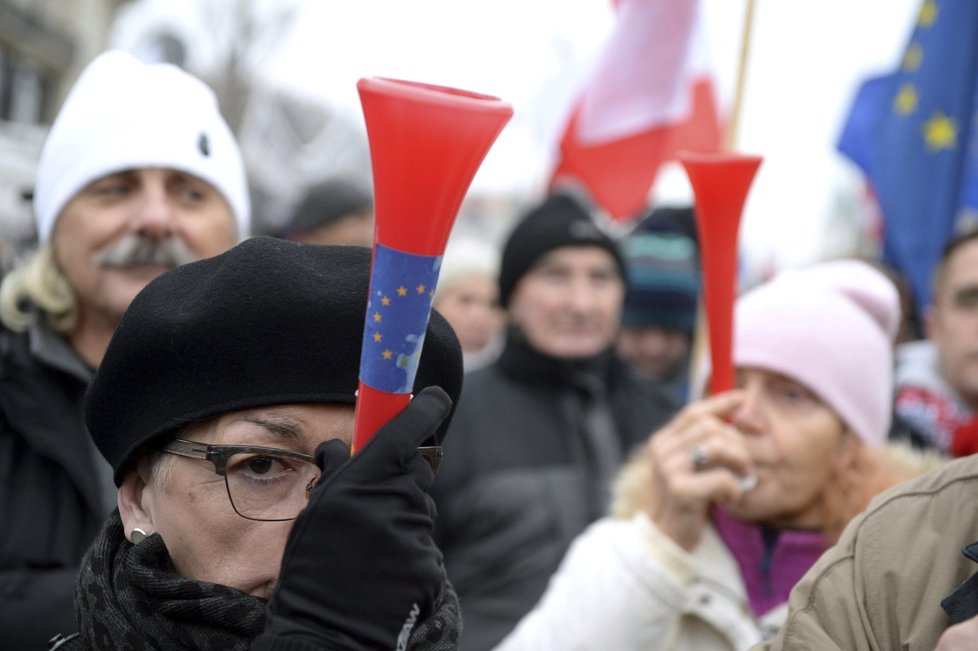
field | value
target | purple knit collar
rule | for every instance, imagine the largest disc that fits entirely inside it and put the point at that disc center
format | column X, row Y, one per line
column 771, row 561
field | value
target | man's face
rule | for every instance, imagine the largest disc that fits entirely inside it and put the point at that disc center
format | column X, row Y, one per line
column 654, row 351
column 568, row 304
column 123, row 230
column 952, row 322
column 471, row 307
column 188, row 504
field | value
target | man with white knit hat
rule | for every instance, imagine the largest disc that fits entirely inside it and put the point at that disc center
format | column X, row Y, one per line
column 139, row 174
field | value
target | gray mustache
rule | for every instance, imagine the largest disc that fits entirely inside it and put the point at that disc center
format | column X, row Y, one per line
column 138, row 250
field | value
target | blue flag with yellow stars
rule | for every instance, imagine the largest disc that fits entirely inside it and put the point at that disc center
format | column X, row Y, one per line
column 911, row 132
column 402, row 286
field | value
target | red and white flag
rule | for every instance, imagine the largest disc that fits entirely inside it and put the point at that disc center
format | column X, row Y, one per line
column 650, row 96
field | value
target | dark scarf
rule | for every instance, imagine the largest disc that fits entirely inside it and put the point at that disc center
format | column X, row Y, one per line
column 520, row 361
column 585, row 388
column 130, row 597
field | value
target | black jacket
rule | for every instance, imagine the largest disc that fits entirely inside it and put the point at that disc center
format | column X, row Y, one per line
column 517, row 482
column 55, row 488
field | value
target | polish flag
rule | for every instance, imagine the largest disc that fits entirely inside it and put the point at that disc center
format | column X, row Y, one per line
column 650, row 96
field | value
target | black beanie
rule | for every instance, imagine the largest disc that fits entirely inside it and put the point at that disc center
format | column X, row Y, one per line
column 557, row 222
column 326, row 203
column 268, row 322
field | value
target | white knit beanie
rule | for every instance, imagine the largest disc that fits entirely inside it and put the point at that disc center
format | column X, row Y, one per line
column 466, row 258
column 830, row 327
column 125, row 114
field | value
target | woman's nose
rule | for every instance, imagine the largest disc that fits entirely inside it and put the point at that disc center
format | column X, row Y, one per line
column 747, row 416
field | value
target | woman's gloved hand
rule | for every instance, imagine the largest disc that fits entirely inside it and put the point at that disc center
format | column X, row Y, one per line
column 360, row 568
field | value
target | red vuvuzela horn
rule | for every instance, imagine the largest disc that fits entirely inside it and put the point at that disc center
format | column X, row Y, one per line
column 720, row 181
column 426, row 144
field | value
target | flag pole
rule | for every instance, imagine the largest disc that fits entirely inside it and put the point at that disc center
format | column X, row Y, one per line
column 700, row 343
column 733, row 124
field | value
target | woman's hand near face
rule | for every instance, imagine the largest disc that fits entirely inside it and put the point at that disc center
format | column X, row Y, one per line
column 684, row 487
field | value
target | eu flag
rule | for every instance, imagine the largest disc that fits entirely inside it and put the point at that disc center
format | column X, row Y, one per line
column 911, row 132
column 401, row 289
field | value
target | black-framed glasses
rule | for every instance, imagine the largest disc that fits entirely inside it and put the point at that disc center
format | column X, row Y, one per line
column 267, row 484
column 264, row 484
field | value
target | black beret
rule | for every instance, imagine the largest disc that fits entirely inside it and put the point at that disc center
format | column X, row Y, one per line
column 268, row 322
column 557, row 222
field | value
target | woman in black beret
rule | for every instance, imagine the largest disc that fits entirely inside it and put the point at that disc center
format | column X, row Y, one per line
column 225, row 405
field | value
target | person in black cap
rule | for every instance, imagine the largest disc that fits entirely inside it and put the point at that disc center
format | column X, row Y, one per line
column 541, row 431
column 225, row 406
column 336, row 211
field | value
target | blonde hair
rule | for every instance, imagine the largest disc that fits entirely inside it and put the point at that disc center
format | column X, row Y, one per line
column 872, row 471
column 38, row 289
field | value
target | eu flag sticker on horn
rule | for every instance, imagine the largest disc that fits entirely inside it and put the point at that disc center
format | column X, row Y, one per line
column 426, row 143
column 402, row 287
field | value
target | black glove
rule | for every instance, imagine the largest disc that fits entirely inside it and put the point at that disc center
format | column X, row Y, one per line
column 360, row 568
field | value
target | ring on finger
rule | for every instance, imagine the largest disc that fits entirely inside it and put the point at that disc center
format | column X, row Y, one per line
column 699, row 456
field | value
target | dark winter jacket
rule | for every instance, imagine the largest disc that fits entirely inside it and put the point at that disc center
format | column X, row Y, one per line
column 518, row 482
column 55, row 488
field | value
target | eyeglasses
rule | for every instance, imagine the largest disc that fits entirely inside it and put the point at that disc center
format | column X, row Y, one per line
column 264, row 484
column 267, row 484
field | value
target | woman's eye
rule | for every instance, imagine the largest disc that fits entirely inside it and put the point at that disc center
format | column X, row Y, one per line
column 795, row 395
column 260, row 465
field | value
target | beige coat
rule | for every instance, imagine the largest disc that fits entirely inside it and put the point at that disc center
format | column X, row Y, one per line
column 881, row 586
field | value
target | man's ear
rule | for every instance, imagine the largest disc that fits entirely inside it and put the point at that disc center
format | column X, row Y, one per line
column 136, row 501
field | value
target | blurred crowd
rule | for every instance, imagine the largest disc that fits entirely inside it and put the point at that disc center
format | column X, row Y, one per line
column 177, row 406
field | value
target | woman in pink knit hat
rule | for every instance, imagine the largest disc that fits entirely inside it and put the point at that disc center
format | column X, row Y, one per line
column 731, row 502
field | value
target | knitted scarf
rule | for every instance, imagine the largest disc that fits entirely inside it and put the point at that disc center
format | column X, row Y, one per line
column 130, row 597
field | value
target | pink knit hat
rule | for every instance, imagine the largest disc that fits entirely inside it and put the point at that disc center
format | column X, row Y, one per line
column 830, row 327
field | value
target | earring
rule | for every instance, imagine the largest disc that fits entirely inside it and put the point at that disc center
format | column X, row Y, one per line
column 137, row 536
